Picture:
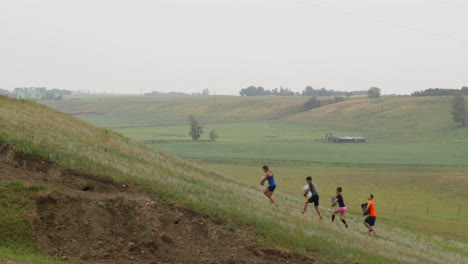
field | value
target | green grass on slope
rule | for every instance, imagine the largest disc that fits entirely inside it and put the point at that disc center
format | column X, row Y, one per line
column 400, row 130
column 405, row 116
column 399, row 116
column 71, row 142
column 16, row 206
column 154, row 111
column 430, row 200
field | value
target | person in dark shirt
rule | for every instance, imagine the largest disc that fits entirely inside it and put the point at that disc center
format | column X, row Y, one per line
column 314, row 198
column 341, row 206
column 271, row 184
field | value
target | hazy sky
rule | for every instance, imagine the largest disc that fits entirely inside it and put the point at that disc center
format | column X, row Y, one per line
column 226, row 45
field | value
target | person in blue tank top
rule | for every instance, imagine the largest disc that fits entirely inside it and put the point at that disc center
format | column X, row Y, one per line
column 271, row 184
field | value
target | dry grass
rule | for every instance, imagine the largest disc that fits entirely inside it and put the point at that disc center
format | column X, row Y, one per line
column 34, row 128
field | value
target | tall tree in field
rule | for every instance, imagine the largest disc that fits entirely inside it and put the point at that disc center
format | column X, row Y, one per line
column 308, row 91
column 195, row 128
column 373, row 92
column 459, row 114
column 213, row 135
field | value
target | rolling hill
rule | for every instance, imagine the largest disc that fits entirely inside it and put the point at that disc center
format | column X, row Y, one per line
column 57, row 159
column 403, row 116
column 399, row 116
column 153, row 111
column 58, row 138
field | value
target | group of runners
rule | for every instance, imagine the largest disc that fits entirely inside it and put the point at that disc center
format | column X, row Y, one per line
column 311, row 188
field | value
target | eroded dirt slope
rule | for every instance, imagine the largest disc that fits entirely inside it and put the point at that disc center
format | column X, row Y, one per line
column 86, row 218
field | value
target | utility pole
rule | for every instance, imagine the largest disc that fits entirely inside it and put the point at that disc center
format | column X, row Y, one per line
column 381, row 107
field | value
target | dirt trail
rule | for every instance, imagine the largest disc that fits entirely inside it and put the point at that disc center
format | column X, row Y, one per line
column 86, row 218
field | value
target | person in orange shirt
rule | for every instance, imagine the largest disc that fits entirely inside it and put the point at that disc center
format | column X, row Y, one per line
column 369, row 222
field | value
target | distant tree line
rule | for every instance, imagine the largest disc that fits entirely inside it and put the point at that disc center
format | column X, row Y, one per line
column 441, row 92
column 260, row 91
column 308, row 91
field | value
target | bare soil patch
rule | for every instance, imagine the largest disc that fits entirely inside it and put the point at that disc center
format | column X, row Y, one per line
column 87, row 218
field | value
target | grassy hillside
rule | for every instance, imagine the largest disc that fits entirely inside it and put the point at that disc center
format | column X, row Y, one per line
column 400, row 130
column 36, row 129
column 428, row 200
column 412, row 142
column 400, row 117
column 155, row 111
column 392, row 115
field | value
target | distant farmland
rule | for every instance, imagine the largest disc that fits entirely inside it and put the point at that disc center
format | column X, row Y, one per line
column 415, row 158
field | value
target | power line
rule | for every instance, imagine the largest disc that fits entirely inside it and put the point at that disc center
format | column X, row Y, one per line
column 381, row 21
column 450, row 4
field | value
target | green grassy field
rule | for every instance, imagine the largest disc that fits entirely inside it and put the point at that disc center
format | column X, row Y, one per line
column 384, row 154
column 140, row 111
column 269, row 135
column 407, row 147
column 424, row 199
column 392, row 118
